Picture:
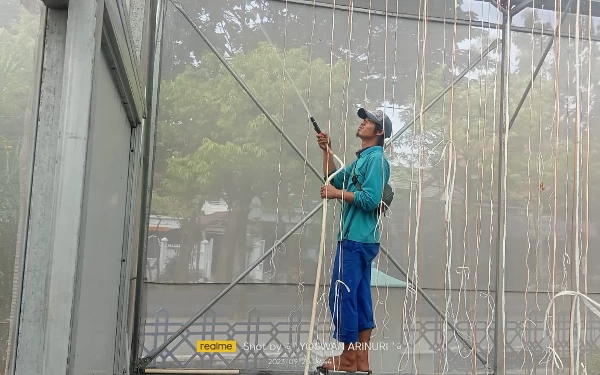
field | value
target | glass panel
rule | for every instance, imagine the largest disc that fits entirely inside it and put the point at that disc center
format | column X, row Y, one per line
column 19, row 29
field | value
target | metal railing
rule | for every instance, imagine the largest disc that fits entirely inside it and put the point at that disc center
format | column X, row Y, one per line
column 268, row 343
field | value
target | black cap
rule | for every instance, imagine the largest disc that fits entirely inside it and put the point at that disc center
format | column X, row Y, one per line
column 379, row 118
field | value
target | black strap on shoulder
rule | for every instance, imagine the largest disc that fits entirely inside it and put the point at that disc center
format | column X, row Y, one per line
column 388, row 193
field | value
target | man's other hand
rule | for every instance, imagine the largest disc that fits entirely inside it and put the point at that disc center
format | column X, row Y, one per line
column 330, row 192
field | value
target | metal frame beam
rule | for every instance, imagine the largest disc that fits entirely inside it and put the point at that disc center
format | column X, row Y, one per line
column 118, row 43
column 463, row 22
column 158, row 10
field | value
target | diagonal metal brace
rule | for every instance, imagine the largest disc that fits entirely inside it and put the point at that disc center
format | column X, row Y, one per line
column 441, row 94
column 150, row 357
column 459, row 334
column 539, row 65
column 244, row 86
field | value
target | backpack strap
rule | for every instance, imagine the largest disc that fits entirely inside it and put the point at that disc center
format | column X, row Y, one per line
column 388, row 194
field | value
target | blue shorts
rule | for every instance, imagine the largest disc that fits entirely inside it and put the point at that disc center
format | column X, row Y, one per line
column 350, row 300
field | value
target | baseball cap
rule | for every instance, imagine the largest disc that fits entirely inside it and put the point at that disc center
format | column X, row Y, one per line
column 379, row 118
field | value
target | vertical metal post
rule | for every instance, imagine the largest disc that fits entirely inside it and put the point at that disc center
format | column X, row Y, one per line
column 500, row 326
column 158, row 9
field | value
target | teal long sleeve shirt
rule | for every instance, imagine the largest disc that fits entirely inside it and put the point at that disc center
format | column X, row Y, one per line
column 360, row 219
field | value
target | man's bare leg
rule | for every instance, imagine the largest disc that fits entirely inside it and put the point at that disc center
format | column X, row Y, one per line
column 362, row 354
column 343, row 362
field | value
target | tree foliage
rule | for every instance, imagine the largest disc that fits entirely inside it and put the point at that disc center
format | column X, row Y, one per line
column 215, row 143
column 464, row 126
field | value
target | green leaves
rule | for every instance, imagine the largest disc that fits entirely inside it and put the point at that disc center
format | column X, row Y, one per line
column 213, row 140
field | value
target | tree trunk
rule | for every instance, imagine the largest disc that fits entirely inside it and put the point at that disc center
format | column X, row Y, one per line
column 234, row 249
column 185, row 251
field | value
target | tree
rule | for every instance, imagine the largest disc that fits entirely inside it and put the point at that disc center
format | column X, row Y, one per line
column 540, row 166
column 469, row 116
column 238, row 26
column 215, row 143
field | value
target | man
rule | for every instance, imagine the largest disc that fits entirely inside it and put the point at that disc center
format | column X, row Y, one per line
column 360, row 186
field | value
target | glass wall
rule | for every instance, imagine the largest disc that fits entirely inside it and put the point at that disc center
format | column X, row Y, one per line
column 227, row 186
column 19, row 61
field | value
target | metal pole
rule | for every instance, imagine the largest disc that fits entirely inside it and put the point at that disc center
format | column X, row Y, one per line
column 432, row 304
column 500, row 327
column 148, row 144
column 539, row 66
column 244, row 86
column 146, row 360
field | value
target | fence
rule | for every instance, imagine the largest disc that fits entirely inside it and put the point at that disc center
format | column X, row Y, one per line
column 160, row 251
column 268, row 344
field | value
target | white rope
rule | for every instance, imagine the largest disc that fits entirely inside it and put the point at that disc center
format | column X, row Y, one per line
column 280, row 180
column 464, row 271
column 379, row 224
column 550, row 354
column 448, row 199
column 575, row 313
column 524, row 344
column 490, row 300
column 566, row 256
column 554, row 195
column 319, row 265
column 300, row 287
column 587, row 172
column 407, row 309
column 541, row 187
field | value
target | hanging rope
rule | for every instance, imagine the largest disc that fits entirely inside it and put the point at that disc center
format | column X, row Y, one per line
column 319, row 265
column 280, row 180
column 526, row 321
column 587, row 171
column 300, row 286
column 379, row 224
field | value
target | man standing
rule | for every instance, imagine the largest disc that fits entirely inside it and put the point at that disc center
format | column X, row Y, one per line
column 360, row 186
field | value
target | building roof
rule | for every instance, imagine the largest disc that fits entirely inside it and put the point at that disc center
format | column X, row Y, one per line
column 381, row 279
